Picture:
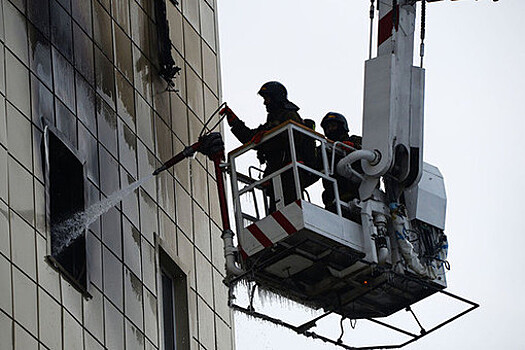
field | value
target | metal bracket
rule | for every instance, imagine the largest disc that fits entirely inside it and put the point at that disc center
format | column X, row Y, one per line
column 304, row 329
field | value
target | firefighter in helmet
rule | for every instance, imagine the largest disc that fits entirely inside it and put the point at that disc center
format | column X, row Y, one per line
column 276, row 152
column 335, row 128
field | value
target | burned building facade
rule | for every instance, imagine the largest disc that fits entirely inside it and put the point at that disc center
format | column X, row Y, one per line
column 94, row 95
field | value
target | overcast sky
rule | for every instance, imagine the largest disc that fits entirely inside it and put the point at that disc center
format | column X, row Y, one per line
column 474, row 131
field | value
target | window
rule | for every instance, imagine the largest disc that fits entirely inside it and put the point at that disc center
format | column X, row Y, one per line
column 174, row 305
column 64, row 198
column 168, row 68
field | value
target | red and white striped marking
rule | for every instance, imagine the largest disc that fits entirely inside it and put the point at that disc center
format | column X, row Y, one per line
column 386, row 23
column 272, row 229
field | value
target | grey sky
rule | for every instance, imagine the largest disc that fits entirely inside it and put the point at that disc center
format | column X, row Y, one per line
column 474, row 130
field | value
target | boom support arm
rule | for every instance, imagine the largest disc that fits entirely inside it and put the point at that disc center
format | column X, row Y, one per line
column 393, row 101
column 212, row 146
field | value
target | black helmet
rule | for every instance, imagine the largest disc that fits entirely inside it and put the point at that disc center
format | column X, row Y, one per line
column 336, row 117
column 274, row 90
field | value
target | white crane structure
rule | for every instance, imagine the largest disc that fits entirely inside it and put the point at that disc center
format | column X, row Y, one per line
column 376, row 254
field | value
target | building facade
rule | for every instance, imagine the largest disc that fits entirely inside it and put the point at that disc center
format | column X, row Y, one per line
column 89, row 104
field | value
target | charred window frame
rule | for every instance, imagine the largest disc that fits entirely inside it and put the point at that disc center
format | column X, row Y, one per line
column 174, row 303
column 168, row 68
column 65, row 176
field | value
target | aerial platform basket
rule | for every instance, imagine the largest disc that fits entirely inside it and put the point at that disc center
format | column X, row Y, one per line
column 311, row 255
column 331, row 260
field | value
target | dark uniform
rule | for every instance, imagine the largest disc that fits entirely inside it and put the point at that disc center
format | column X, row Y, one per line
column 336, row 129
column 348, row 189
column 275, row 152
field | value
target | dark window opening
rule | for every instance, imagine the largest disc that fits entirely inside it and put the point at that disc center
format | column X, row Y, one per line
column 175, row 322
column 168, row 68
column 64, row 198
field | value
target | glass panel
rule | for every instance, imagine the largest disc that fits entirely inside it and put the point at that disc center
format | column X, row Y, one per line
column 112, row 279
column 107, row 126
column 134, row 337
column 191, row 12
column 179, row 120
column 82, row 13
column 64, row 79
column 105, row 78
column 130, row 204
column 208, row 24
column 109, row 177
column 127, row 148
column 94, row 256
column 150, row 316
column 194, row 93
column 164, row 142
column 200, row 184
column 23, row 339
column 15, row 31
column 40, row 56
column 19, row 137
column 210, row 68
column 41, row 103
column 192, row 46
column 112, row 231
column 88, row 146
column 121, row 13
column 124, row 59
column 184, row 215
column 25, row 303
column 142, row 74
column 133, row 290
column 161, row 99
column 84, row 59
column 61, row 30
column 114, row 326
column 140, row 27
column 17, row 78
column 181, row 171
column 94, row 314
column 131, row 238
column 125, row 100
column 66, row 122
column 38, row 13
column 204, row 279
column 50, row 316
column 148, row 216
column 175, row 24
column 149, row 261
column 102, row 29
column 145, row 122
column 23, row 245
column 20, row 190
column 86, row 105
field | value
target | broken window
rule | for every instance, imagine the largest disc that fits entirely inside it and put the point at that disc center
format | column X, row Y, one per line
column 64, row 205
column 168, row 68
column 175, row 323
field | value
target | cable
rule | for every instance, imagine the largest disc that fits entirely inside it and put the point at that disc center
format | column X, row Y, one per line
column 423, row 23
column 372, row 10
column 211, row 116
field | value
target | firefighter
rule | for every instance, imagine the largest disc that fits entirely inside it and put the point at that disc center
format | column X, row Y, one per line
column 335, row 128
column 276, row 152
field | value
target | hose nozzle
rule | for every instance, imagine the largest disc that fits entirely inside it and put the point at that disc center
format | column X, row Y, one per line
column 160, row 169
column 187, row 152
